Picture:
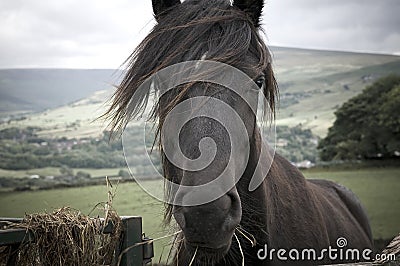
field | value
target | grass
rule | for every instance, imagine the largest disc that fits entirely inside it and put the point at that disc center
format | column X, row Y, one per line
column 377, row 189
column 24, row 173
column 54, row 171
column 129, row 200
column 71, row 121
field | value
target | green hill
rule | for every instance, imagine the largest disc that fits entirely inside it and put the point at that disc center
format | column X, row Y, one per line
column 313, row 84
column 41, row 89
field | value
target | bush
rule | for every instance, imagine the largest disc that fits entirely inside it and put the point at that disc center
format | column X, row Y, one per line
column 367, row 126
column 82, row 174
column 65, row 170
column 124, row 174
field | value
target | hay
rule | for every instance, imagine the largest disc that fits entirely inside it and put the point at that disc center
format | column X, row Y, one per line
column 67, row 237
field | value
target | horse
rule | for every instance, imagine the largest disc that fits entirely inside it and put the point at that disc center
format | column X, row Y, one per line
column 240, row 226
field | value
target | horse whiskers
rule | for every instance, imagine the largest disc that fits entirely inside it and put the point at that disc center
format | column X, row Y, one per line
column 174, row 244
column 170, row 250
column 194, row 256
column 178, row 250
column 253, row 241
column 162, row 252
column 177, row 208
column 143, row 243
column 179, row 241
column 262, row 230
column 169, row 235
column 240, row 248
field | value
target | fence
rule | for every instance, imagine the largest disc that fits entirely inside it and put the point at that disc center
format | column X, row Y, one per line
column 141, row 254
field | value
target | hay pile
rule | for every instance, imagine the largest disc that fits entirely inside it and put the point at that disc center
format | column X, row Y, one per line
column 66, row 237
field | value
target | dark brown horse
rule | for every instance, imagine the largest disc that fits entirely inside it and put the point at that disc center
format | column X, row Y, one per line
column 285, row 211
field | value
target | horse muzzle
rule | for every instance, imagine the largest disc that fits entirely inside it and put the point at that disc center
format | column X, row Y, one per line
column 210, row 226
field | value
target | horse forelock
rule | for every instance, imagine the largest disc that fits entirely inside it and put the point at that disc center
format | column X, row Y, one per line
column 194, row 30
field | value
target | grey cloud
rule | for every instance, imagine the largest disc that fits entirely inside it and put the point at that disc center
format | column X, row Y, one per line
column 343, row 25
column 69, row 33
column 102, row 33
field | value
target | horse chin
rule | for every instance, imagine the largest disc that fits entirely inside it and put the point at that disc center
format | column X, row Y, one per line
column 206, row 253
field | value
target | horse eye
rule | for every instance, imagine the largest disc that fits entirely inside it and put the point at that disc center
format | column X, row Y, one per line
column 260, row 82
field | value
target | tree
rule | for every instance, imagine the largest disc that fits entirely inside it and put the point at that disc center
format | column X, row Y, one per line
column 65, row 170
column 366, row 126
column 83, row 175
column 123, row 173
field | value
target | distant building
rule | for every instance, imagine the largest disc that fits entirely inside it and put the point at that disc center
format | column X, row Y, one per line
column 282, row 143
column 304, row 164
column 366, row 78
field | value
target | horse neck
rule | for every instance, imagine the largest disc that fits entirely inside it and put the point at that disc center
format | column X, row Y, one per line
column 254, row 203
column 282, row 183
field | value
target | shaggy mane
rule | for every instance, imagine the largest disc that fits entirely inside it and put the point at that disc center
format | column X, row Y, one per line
column 188, row 32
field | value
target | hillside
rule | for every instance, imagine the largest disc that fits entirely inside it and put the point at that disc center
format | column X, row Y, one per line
column 313, row 84
column 41, row 89
column 78, row 119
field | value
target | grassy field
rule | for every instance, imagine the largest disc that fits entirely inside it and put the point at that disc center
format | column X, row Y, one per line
column 54, row 171
column 377, row 189
column 129, row 200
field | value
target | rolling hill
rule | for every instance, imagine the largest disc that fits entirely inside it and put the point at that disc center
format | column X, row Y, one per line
column 41, row 89
column 313, row 84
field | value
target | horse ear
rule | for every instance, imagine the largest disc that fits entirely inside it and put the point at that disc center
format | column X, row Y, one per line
column 160, row 7
column 252, row 7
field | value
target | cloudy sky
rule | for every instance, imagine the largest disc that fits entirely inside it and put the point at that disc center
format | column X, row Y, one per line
column 102, row 33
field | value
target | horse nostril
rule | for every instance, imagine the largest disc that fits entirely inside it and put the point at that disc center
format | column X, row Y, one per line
column 235, row 209
column 233, row 196
column 212, row 220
